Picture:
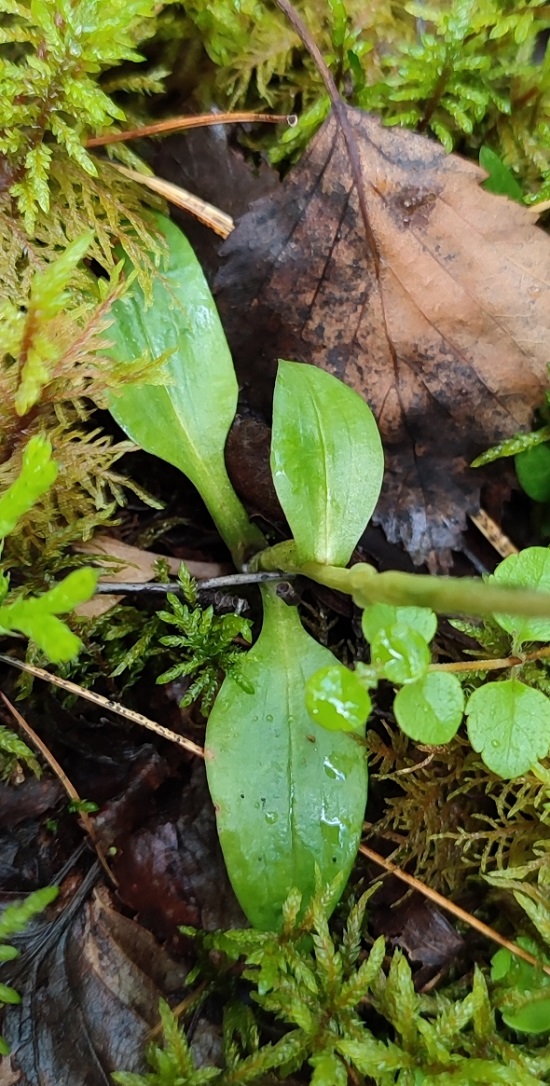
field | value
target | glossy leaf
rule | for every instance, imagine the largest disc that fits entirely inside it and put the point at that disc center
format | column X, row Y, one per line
column 501, row 180
column 431, row 709
column 520, row 986
column 382, row 615
column 400, row 654
column 533, row 471
column 326, row 461
column 528, row 569
column 289, row 796
column 509, row 725
column 337, row 700
column 185, row 418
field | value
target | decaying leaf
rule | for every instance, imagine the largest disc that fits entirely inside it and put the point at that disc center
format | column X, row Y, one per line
column 448, row 339
column 90, row 1001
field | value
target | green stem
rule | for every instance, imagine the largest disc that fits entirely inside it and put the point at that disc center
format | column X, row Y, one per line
column 446, row 595
column 229, row 515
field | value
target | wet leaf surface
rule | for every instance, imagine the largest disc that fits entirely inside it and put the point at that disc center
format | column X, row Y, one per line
column 89, row 1001
column 171, row 871
column 448, row 343
column 423, row 932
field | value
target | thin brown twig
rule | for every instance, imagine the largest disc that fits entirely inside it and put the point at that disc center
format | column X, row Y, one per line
column 493, row 665
column 208, row 214
column 62, row 776
column 455, row 910
column 105, row 703
column 201, row 120
column 340, row 111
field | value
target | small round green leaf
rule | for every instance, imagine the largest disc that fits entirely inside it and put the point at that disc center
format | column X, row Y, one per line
column 528, row 569
column 431, row 709
column 401, row 654
column 533, row 471
column 336, row 699
column 509, row 725
column 382, row 615
column 520, row 989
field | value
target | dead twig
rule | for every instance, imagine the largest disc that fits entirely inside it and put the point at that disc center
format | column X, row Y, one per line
column 69, row 787
column 455, row 910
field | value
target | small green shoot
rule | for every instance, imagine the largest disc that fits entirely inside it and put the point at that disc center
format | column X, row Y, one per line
column 36, row 616
column 207, row 642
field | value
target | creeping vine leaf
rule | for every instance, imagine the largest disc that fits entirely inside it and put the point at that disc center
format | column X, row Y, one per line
column 509, row 724
column 530, row 568
column 430, row 710
column 446, row 334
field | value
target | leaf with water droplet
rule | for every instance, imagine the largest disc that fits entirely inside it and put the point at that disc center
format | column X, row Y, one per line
column 509, row 725
column 430, row 710
column 259, row 768
column 337, row 700
column 400, row 654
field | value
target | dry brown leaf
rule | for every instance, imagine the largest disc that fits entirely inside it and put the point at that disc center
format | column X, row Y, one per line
column 449, row 341
column 126, row 563
column 90, row 1001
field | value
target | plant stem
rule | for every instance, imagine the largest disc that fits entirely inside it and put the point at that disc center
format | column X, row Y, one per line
column 493, row 665
column 229, row 515
column 445, row 595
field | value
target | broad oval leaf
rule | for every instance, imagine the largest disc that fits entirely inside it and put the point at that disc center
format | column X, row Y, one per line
column 326, row 460
column 528, row 569
column 431, row 709
column 289, row 796
column 509, row 725
column 184, row 417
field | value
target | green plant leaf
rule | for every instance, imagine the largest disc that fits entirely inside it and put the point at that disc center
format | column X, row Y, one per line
column 326, row 461
column 501, row 180
column 400, row 654
column 337, row 700
column 533, row 472
column 380, row 616
column 38, row 472
column 521, row 989
column 185, row 418
column 289, row 797
column 509, row 725
column 48, row 296
column 35, row 616
column 528, row 569
column 430, row 710
column 329, row 1070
